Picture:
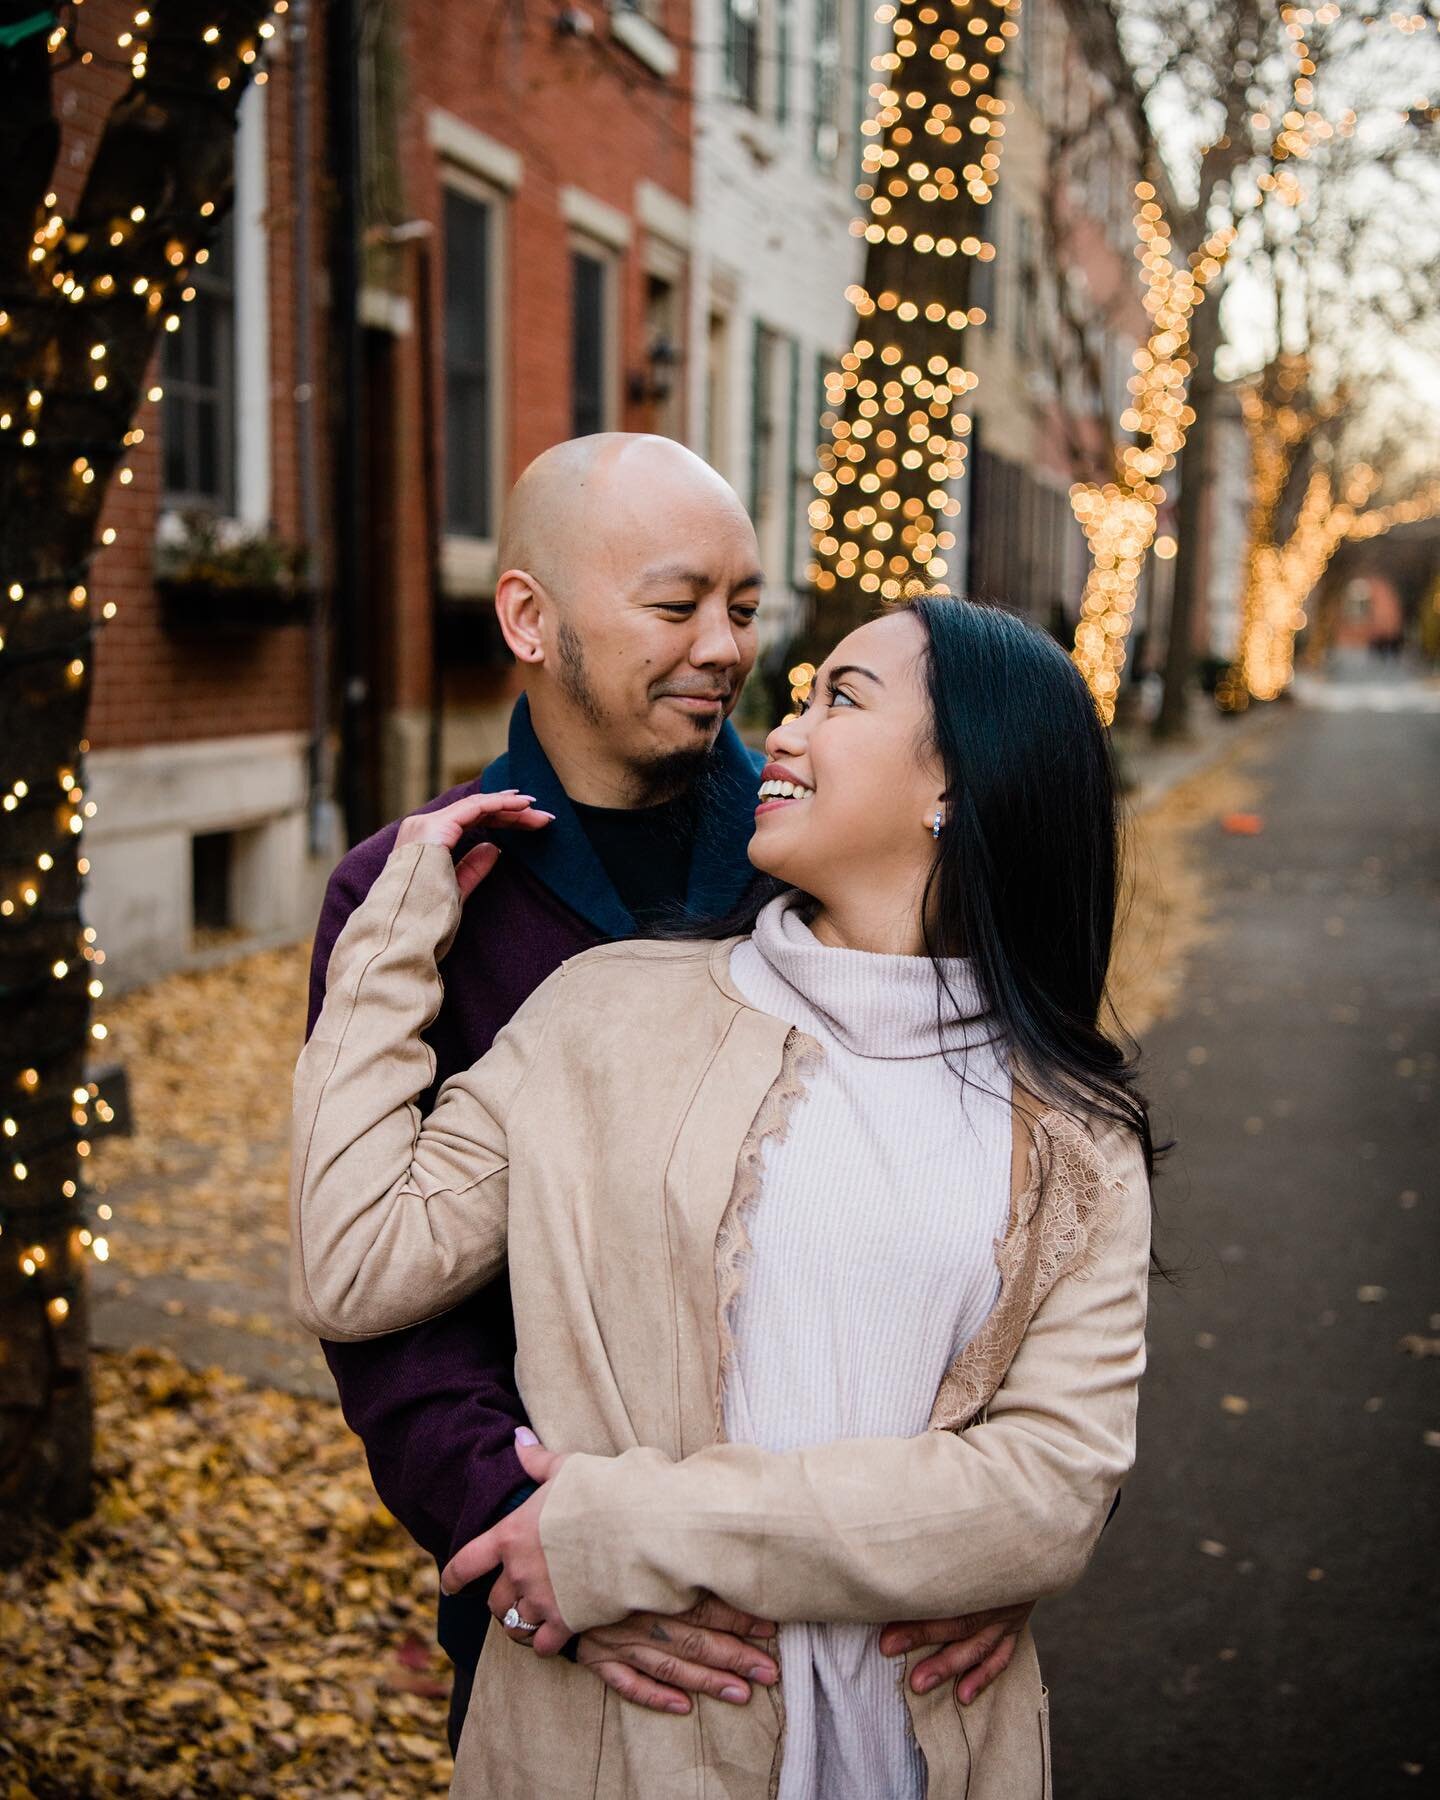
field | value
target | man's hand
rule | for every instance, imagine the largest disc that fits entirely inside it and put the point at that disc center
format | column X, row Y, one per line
column 448, row 824
column 656, row 1661
column 514, row 1547
column 974, row 1649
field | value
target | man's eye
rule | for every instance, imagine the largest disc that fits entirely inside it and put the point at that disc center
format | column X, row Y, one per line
column 746, row 614
column 677, row 606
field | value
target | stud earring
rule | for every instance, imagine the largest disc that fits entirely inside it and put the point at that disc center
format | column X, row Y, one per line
column 935, row 828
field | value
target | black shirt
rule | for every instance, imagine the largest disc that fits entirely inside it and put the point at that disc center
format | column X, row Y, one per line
column 646, row 853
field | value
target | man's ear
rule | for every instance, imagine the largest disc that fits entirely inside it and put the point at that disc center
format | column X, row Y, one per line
column 520, row 606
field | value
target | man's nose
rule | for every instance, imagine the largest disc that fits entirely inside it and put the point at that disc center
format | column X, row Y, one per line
column 715, row 645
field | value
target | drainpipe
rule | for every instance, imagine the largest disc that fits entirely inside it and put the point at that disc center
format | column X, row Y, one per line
column 320, row 773
column 352, row 632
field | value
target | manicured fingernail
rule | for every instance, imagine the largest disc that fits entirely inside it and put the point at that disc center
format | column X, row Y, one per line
column 737, row 1694
column 924, row 1683
column 543, row 814
column 524, row 1435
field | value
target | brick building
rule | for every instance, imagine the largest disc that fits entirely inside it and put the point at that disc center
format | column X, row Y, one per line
column 462, row 233
column 516, row 186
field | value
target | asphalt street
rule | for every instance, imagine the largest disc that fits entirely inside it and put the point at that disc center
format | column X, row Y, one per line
column 1263, row 1615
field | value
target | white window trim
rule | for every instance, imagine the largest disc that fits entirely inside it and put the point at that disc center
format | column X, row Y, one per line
column 608, row 254
column 253, row 477
column 461, row 144
column 468, row 564
column 664, row 216
column 646, row 42
column 594, row 218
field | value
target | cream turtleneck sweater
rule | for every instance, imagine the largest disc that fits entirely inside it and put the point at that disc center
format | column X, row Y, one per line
column 870, row 1265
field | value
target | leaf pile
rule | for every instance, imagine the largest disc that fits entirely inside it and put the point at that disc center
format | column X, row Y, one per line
column 209, row 1056
column 239, row 1615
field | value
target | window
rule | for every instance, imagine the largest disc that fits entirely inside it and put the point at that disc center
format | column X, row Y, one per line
column 198, row 369
column 664, row 339
column 826, row 143
column 776, row 464
column 589, row 280
column 784, row 51
column 468, row 363
column 762, row 426
column 742, row 51
column 210, row 884
column 717, row 397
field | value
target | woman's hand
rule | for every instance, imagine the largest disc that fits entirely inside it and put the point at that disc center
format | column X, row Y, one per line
column 448, row 824
column 514, row 1547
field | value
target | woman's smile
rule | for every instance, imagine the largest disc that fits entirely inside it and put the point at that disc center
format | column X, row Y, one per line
column 780, row 787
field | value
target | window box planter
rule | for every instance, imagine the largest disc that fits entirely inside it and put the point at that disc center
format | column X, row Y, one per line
column 200, row 605
column 215, row 577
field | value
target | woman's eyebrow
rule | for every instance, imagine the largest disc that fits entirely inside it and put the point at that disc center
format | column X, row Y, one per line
column 853, row 669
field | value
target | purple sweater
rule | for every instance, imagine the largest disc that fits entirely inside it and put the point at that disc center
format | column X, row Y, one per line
column 436, row 1406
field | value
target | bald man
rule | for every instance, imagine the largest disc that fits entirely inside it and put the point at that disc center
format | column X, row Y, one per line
column 628, row 596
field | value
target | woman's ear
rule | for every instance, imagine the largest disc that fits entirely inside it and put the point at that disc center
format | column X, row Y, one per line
column 520, row 604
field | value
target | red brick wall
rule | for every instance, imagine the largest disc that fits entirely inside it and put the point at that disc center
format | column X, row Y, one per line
column 581, row 112
column 153, row 686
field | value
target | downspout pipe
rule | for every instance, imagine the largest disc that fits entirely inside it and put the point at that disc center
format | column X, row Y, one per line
column 352, row 626
column 319, row 771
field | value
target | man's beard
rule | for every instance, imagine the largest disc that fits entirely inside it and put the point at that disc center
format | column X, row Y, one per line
column 661, row 777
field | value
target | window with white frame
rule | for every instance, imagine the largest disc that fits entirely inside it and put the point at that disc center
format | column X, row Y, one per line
column 826, row 132
column 665, row 277
column 215, row 369
column 198, row 368
column 742, row 51
column 592, row 346
column 469, row 359
column 717, row 389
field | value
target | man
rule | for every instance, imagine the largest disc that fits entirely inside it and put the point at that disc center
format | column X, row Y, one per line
column 629, row 593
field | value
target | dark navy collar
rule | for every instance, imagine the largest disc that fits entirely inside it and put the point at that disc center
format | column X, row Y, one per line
column 561, row 857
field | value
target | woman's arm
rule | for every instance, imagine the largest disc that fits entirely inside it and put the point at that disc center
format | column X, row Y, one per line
column 873, row 1530
column 393, row 1221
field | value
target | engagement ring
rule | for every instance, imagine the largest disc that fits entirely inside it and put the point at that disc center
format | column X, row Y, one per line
column 513, row 1622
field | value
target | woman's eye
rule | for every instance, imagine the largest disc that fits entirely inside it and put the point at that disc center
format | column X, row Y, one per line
column 839, row 694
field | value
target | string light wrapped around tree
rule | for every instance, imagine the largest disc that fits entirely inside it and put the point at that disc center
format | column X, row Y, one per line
column 1281, row 573
column 1119, row 517
column 99, row 264
column 883, row 520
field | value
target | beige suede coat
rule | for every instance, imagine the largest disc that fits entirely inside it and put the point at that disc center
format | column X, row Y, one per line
column 608, row 1146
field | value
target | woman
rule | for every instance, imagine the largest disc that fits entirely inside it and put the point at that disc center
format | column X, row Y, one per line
column 828, row 1239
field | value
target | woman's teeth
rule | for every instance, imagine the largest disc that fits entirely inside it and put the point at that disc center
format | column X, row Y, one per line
column 783, row 790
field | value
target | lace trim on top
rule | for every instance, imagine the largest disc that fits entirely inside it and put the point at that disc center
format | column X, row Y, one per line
column 802, row 1056
column 1054, row 1230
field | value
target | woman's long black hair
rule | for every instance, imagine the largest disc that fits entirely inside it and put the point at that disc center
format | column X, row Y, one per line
column 1026, row 879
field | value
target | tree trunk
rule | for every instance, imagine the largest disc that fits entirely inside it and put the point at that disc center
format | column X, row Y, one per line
column 884, row 525
column 1191, row 560
column 87, row 282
